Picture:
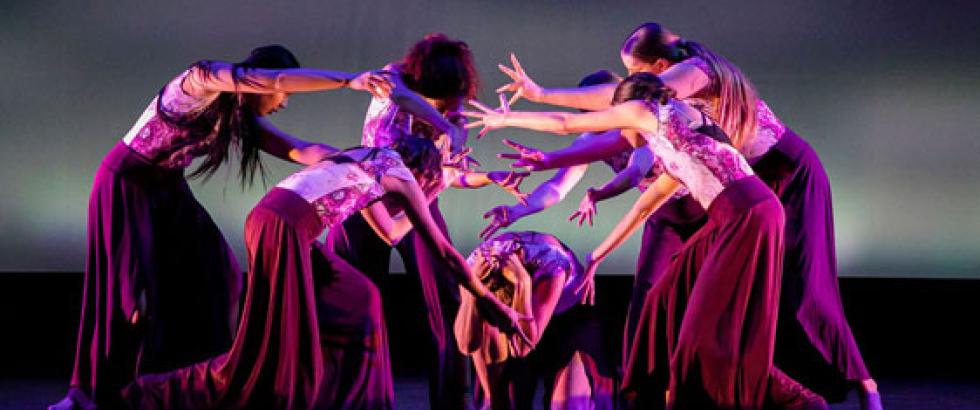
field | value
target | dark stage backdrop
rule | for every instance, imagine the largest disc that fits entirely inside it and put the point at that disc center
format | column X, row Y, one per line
column 887, row 92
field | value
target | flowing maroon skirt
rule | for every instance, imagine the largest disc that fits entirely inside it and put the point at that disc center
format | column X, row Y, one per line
column 311, row 333
column 710, row 320
column 152, row 248
column 814, row 341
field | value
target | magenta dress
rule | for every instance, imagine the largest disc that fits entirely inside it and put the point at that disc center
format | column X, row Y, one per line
column 385, row 122
column 312, row 333
column 153, row 300
column 707, row 327
column 573, row 332
column 815, row 344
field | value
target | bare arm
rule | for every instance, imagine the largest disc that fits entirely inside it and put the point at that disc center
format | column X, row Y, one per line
column 539, row 299
column 640, row 162
column 631, row 114
column 593, row 98
column 287, row 147
column 645, row 205
column 597, row 148
column 217, row 77
column 468, row 326
column 543, row 197
column 686, row 79
column 391, row 229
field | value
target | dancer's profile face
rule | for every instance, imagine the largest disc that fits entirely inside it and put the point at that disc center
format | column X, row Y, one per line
column 265, row 104
column 634, row 65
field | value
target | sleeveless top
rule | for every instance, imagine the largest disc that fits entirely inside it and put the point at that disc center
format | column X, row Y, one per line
column 168, row 145
column 338, row 186
column 703, row 164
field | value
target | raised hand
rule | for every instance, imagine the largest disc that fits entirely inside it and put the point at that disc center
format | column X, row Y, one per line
column 499, row 218
column 586, row 208
column 510, row 181
column 373, row 82
column 526, row 157
column 521, row 84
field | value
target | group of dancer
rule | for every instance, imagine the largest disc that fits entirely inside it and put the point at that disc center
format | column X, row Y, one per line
column 735, row 302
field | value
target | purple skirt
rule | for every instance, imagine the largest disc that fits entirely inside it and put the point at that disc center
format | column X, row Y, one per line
column 152, row 249
column 710, row 321
column 814, row 341
column 311, row 333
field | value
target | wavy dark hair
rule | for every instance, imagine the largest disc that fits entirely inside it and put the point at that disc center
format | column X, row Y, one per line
column 441, row 68
column 421, row 156
column 228, row 121
column 735, row 110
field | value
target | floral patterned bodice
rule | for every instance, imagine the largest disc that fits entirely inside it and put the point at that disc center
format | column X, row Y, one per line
column 338, row 189
column 165, row 144
column 542, row 255
column 768, row 128
column 704, row 165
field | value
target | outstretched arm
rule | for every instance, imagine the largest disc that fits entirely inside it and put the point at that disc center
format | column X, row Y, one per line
column 640, row 162
column 597, row 148
column 631, row 114
column 212, row 77
column 543, row 197
column 287, row 147
column 592, row 98
column 658, row 193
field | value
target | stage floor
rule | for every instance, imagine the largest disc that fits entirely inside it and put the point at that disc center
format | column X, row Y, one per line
column 411, row 394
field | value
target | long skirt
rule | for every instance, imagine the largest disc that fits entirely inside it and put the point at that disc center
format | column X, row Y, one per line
column 357, row 243
column 710, row 320
column 814, row 341
column 275, row 360
column 161, row 287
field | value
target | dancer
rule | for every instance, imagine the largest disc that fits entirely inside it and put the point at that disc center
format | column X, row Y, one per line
column 716, row 305
column 814, row 328
column 537, row 275
column 430, row 83
column 152, row 299
column 311, row 333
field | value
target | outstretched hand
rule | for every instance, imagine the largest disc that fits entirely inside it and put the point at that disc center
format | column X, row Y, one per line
column 499, row 218
column 521, row 84
column 510, row 181
column 526, row 157
column 373, row 82
column 488, row 118
column 586, row 209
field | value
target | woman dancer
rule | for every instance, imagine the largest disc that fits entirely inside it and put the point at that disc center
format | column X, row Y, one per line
column 717, row 303
column 814, row 328
column 537, row 275
column 154, row 300
column 311, row 332
column 431, row 82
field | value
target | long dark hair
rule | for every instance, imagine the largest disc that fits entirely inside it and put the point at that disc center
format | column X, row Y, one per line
column 236, row 122
column 441, row 68
column 735, row 110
